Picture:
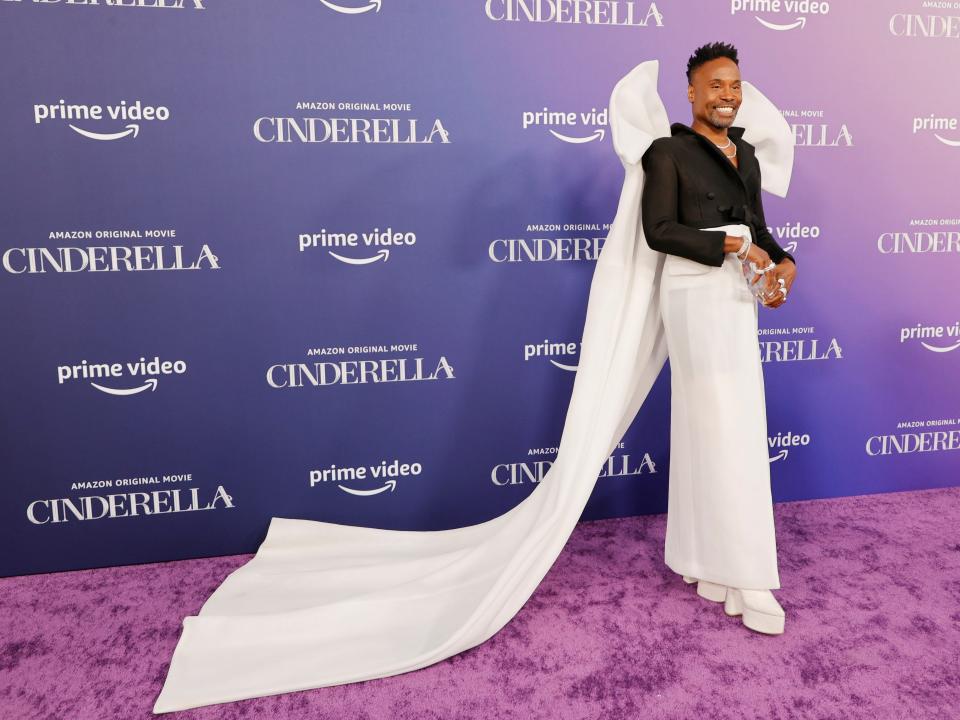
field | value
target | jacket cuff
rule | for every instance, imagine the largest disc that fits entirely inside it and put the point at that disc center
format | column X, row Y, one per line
column 718, row 254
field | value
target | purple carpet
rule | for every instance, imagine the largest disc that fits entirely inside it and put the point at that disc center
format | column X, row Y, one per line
column 871, row 589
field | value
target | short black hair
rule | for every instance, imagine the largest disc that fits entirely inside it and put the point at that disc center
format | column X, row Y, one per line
column 708, row 52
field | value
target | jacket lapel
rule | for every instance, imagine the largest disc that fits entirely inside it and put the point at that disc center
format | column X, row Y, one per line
column 735, row 133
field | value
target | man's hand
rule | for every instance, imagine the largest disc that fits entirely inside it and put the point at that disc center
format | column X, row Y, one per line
column 788, row 271
column 759, row 257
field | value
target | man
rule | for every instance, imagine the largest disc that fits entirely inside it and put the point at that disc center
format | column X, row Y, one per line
column 701, row 206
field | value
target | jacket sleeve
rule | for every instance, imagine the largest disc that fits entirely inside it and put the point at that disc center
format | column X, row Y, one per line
column 764, row 239
column 658, row 206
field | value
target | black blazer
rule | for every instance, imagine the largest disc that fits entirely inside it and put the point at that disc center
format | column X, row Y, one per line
column 690, row 184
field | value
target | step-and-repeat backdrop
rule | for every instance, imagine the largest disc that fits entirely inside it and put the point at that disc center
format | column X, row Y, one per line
column 329, row 259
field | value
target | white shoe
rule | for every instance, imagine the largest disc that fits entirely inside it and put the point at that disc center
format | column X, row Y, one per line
column 760, row 610
column 708, row 590
column 711, row 591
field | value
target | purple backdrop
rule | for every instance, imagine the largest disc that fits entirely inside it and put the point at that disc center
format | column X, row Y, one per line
column 352, row 241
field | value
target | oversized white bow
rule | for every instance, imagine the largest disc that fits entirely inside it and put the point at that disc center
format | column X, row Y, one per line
column 325, row 604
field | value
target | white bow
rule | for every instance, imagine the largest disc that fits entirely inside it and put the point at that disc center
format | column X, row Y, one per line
column 326, row 604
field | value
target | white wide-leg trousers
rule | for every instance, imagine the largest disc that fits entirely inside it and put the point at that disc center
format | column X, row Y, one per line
column 720, row 524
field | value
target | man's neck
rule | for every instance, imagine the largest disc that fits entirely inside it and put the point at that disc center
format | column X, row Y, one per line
column 717, row 135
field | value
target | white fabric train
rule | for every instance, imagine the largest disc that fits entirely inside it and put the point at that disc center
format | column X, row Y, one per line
column 325, row 604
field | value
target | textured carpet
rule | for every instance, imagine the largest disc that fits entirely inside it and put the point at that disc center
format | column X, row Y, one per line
column 871, row 588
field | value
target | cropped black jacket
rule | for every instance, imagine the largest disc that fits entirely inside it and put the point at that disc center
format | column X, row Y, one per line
column 689, row 184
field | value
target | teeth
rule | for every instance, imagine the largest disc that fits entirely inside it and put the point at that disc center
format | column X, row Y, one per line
column 725, row 109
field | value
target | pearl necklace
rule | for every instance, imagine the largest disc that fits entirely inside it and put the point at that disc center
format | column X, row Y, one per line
column 724, row 147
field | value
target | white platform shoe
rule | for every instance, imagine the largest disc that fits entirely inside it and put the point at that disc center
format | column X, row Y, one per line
column 708, row 590
column 759, row 608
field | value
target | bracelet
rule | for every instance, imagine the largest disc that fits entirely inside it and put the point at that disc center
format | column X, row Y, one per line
column 744, row 248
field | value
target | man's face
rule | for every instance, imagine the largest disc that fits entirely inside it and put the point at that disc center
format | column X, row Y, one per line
column 715, row 92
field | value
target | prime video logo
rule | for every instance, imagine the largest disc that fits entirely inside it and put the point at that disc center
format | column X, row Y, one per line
column 784, row 442
column 933, row 124
column 140, row 369
column 551, row 349
column 948, row 333
column 547, row 117
column 798, row 8
column 133, row 114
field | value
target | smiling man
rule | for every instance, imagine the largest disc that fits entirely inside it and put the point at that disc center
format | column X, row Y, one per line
column 701, row 206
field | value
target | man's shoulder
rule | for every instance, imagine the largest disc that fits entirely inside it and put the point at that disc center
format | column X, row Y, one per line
column 663, row 145
column 669, row 142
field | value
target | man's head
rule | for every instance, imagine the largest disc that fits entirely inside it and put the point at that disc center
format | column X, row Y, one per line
column 713, row 75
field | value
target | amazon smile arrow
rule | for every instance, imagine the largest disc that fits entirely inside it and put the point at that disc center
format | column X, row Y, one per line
column 131, row 128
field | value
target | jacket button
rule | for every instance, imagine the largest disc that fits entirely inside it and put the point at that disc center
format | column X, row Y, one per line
column 711, row 195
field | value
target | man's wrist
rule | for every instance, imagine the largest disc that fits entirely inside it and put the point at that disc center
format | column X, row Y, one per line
column 744, row 248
